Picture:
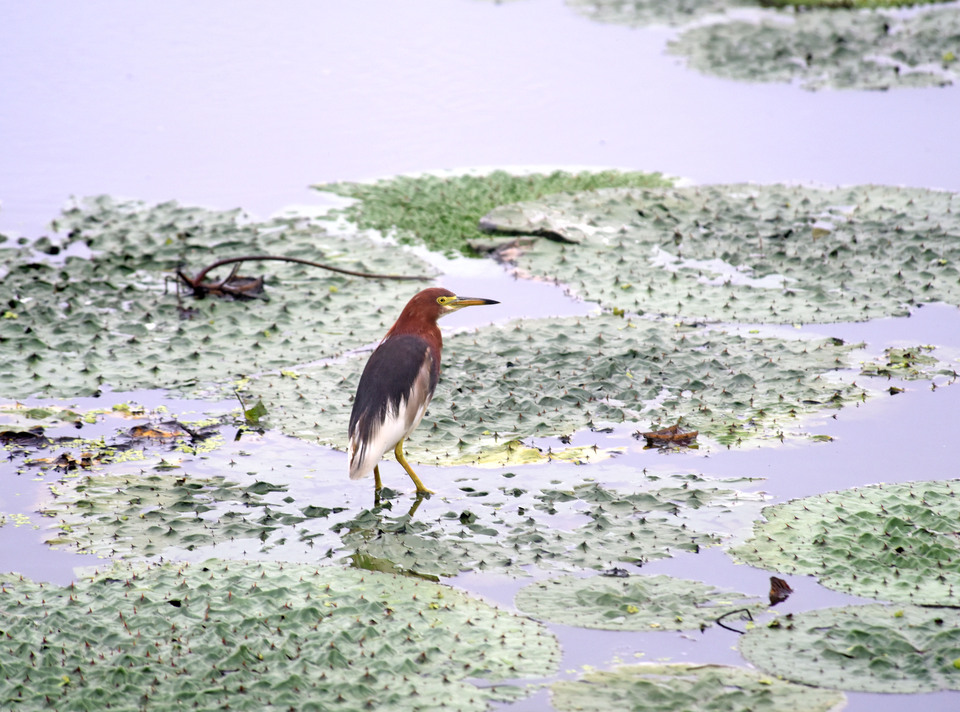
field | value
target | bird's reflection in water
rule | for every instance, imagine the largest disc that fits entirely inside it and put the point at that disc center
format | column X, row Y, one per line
column 380, row 542
column 382, row 501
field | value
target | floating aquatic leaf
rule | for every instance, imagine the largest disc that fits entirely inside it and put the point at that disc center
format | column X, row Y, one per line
column 442, row 212
column 873, row 648
column 841, row 49
column 681, row 686
column 60, row 451
column 509, row 530
column 846, row 4
column 632, row 603
column 25, row 413
column 256, row 636
column 640, row 13
column 910, row 364
column 114, row 318
column 156, row 507
column 144, row 515
column 20, row 430
column 253, row 414
column 554, row 377
column 747, row 253
column 895, row 542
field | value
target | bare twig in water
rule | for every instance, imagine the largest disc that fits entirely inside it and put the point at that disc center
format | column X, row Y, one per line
column 723, row 625
column 247, row 286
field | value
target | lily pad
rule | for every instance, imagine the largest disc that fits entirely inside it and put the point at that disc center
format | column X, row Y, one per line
column 681, row 686
column 640, row 13
column 909, row 364
column 746, row 253
column 259, row 636
column 511, row 529
column 542, row 378
column 873, row 648
column 631, row 603
column 114, row 318
column 840, row 49
column 144, row 515
column 894, row 542
column 846, row 4
column 442, row 212
column 18, row 414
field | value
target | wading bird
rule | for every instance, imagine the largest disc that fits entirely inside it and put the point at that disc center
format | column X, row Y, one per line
column 398, row 383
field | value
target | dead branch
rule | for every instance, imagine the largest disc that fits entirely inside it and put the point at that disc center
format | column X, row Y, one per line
column 236, row 286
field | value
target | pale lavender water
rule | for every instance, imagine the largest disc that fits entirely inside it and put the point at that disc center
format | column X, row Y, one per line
column 240, row 104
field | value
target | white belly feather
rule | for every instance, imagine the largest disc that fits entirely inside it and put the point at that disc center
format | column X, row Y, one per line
column 397, row 425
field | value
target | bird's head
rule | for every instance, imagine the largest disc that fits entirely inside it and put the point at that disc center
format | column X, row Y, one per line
column 431, row 304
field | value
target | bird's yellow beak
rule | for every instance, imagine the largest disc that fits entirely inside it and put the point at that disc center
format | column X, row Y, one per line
column 450, row 303
column 459, row 302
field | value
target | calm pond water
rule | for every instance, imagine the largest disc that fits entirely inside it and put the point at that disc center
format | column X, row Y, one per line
column 234, row 104
column 229, row 104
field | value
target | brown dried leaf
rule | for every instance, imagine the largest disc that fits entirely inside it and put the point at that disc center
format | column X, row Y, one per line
column 670, row 437
column 779, row 590
column 160, row 431
column 33, row 437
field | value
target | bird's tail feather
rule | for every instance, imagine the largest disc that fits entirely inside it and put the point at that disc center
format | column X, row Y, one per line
column 362, row 460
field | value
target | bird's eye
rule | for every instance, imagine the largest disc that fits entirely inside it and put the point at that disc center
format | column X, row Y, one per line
column 442, row 300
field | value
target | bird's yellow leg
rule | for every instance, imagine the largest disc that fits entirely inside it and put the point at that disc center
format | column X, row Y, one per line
column 377, row 484
column 398, row 451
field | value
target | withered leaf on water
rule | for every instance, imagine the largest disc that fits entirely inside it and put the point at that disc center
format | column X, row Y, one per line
column 64, row 461
column 670, row 437
column 779, row 590
column 161, row 431
column 33, row 437
column 170, row 429
column 615, row 572
column 236, row 286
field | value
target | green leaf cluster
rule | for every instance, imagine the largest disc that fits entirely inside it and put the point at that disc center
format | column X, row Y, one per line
column 256, row 636
column 845, row 4
column 845, row 44
column 76, row 324
column 909, row 364
column 830, row 48
column 512, row 530
column 442, row 212
column 637, row 602
column 894, row 542
column 872, row 648
column 553, row 377
column 143, row 515
column 641, row 13
column 747, row 253
column 682, row 686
